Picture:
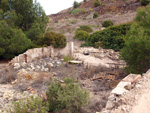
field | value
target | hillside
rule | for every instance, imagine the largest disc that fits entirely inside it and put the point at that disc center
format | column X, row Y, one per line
column 118, row 11
column 77, row 79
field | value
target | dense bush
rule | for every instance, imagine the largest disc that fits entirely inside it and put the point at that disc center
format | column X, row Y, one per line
column 95, row 15
column 144, row 2
column 76, row 4
column 24, row 19
column 67, row 96
column 109, row 38
column 12, row 41
column 29, row 105
column 55, row 39
column 26, row 15
column 85, row 28
column 136, row 51
column 97, row 3
column 107, row 23
column 81, row 35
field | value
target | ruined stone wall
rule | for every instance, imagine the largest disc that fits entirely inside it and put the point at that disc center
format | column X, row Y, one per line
column 37, row 53
column 33, row 54
column 68, row 50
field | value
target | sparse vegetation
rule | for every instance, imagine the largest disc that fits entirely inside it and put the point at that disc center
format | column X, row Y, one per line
column 68, row 58
column 81, row 35
column 95, row 15
column 68, row 96
column 29, row 105
column 51, row 38
column 74, row 21
column 107, row 23
column 97, row 3
column 77, row 10
column 85, row 28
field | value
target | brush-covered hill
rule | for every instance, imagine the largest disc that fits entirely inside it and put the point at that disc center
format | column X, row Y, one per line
column 68, row 20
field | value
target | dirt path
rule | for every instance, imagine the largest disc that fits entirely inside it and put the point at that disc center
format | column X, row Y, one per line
column 3, row 64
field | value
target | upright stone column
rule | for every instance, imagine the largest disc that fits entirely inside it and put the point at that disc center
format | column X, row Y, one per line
column 52, row 51
column 71, row 48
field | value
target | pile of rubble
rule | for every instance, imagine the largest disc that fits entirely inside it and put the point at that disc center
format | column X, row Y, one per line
column 127, row 96
column 43, row 64
column 98, row 57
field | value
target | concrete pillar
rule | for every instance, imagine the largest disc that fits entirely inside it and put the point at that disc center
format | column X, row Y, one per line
column 71, row 48
column 52, row 51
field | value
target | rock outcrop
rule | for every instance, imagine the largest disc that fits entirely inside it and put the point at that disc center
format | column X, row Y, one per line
column 131, row 95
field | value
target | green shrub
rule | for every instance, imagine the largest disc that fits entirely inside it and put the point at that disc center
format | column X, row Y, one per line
column 68, row 58
column 84, row 0
column 76, row 4
column 144, row 2
column 51, row 38
column 12, row 41
column 107, row 23
column 95, row 15
column 86, row 28
column 97, row 3
column 29, row 105
column 136, row 50
column 110, row 38
column 67, row 96
column 74, row 21
column 81, row 35
column 97, row 44
column 77, row 10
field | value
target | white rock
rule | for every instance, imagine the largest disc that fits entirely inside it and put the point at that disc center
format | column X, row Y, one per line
column 23, row 64
column 119, row 91
column 46, row 69
column 109, row 105
column 16, row 66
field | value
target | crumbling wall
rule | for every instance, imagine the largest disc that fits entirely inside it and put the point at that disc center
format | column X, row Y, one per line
column 33, row 54
column 68, row 50
column 37, row 53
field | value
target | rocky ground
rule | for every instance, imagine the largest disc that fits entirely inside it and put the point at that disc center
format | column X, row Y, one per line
column 130, row 96
column 32, row 78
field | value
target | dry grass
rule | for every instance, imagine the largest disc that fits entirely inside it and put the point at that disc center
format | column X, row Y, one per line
column 7, row 75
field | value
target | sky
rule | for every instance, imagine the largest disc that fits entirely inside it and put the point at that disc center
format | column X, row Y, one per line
column 54, row 6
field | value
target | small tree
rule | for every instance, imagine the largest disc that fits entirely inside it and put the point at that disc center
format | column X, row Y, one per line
column 97, row 3
column 76, row 4
column 107, row 23
column 12, row 41
column 136, row 51
column 95, row 15
column 68, row 97
column 52, row 38
column 81, row 35
column 85, row 28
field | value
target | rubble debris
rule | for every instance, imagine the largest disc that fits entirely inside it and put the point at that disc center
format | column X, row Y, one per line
column 75, row 62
